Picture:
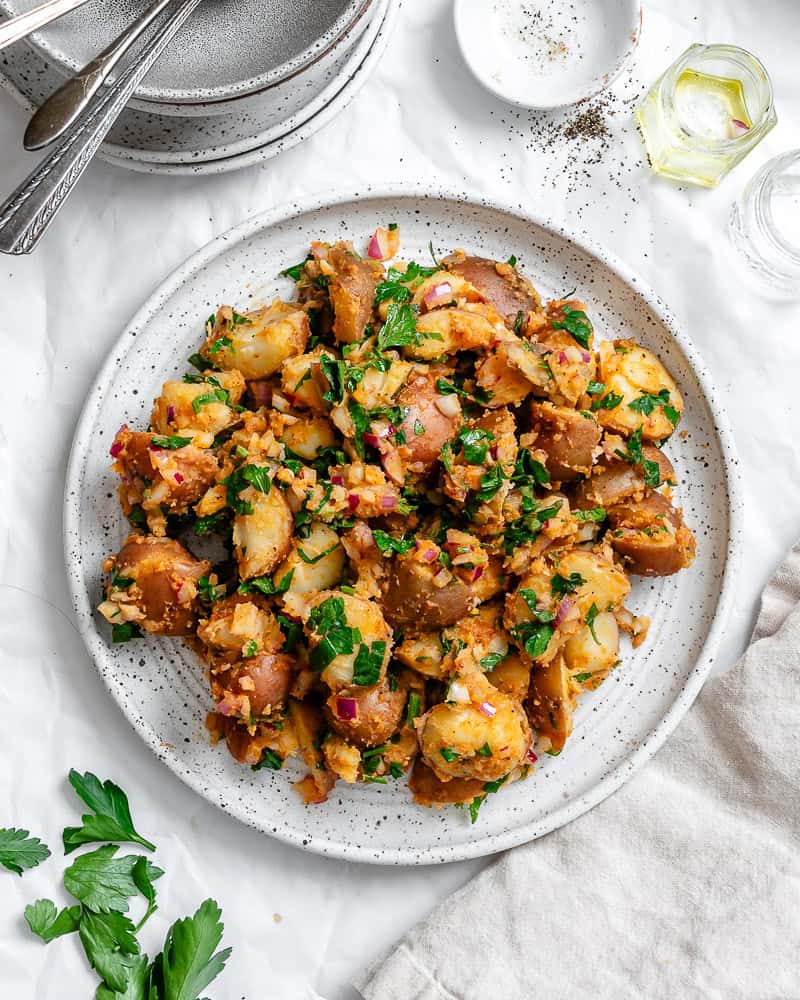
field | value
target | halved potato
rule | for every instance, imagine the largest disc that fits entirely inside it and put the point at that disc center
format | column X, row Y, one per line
column 551, row 702
column 635, row 373
column 315, row 562
column 263, row 538
column 411, row 598
column 430, row 420
column 510, row 292
column 367, row 716
column 569, row 438
column 257, row 343
column 614, row 480
column 651, row 536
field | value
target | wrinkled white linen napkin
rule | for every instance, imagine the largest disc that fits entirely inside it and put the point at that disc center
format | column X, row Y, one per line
column 686, row 883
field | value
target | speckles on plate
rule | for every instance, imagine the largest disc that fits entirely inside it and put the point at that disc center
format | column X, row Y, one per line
column 617, row 727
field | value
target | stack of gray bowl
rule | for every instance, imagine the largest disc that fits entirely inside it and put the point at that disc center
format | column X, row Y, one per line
column 244, row 79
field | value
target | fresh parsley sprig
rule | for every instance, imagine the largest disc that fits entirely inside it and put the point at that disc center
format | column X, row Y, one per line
column 19, row 851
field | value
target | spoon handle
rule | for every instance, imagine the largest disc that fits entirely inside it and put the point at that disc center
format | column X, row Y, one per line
column 18, row 27
column 25, row 216
column 62, row 108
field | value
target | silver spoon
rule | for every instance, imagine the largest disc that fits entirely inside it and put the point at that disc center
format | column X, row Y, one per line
column 18, row 27
column 62, row 108
column 25, row 216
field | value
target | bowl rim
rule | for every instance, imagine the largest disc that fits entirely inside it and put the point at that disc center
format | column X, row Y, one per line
column 628, row 765
column 151, row 97
column 601, row 81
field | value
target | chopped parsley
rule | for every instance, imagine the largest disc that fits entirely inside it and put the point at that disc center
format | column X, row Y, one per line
column 396, row 285
column 250, row 649
column 528, row 468
column 449, row 754
column 647, row 402
column 400, row 328
column 596, row 388
column 386, row 543
column 474, row 444
column 412, row 710
column 124, row 632
column 368, row 663
column 296, row 271
column 264, row 585
column 256, row 476
column 269, row 760
column 170, row 443
column 479, row 395
column 561, row 585
column 419, row 427
column 215, row 396
column 610, row 401
column 633, row 454
column 576, row 323
column 210, row 591
column 490, row 662
column 596, row 514
column 313, row 560
column 484, row 751
column 591, row 614
column 534, row 635
column 518, row 322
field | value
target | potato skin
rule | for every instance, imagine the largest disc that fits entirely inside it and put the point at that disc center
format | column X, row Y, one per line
column 615, row 480
column 429, row 790
column 379, row 709
column 352, row 291
column 159, row 567
column 500, row 284
column 421, row 452
column 568, row 437
column 551, row 702
column 653, row 539
column 261, row 683
column 411, row 598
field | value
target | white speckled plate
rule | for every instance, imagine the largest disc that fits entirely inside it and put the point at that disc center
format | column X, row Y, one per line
column 160, row 685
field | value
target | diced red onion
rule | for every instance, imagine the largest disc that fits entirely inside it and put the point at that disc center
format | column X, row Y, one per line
column 477, row 573
column 502, row 749
column 225, row 708
column 371, row 440
column 170, row 413
column 337, row 480
column 377, row 248
column 488, row 710
column 531, row 756
column 442, row 578
column 178, row 477
column 563, row 610
column 586, row 357
column 115, row 449
column 353, row 500
column 494, row 452
column 562, row 358
column 261, row 392
column 439, row 294
column 430, row 552
column 388, row 501
column 347, row 709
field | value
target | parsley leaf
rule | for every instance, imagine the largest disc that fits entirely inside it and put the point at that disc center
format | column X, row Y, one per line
column 270, row 760
column 647, row 402
column 264, row 585
column 449, row 754
column 386, row 543
column 124, row 632
column 368, row 663
column 576, row 323
column 111, row 819
column 296, row 271
column 591, row 614
column 48, row 923
column 19, row 851
column 400, row 327
column 561, row 585
column 101, row 881
column 608, row 402
column 216, row 396
column 529, row 468
column 597, row 514
column 474, row 808
column 535, row 635
column 488, row 663
column 484, row 751
column 596, row 388
column 634, row 454
column 412, row 710
column 188, row 963
column 334, row 371
column 170, row 443
column 474, row 443
column 109, row 940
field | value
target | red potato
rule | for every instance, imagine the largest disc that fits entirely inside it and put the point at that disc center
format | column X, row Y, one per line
column 614, row 480
column 378, row 711
column 411, row 598
column 352, row 284
column 255, row 686
column 162, row 597
column 429, row 790
column 551, row 701
column 508, row 291
column 156, row 477
column 247, row 743
column 569, row 438
column 650, row 536
column 438, row 418
column 258, row 342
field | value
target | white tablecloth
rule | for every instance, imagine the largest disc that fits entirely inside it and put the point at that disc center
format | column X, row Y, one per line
column 302, row 925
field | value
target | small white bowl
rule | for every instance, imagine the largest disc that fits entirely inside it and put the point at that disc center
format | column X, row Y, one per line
column 547, row 53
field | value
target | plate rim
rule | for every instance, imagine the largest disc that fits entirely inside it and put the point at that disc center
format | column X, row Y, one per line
column 632, row 762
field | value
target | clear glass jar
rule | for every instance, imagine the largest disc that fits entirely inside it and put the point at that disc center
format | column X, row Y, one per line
column 705, row 113
column 765, row 224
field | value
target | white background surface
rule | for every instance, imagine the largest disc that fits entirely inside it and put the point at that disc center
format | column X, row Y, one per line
column 420, row 116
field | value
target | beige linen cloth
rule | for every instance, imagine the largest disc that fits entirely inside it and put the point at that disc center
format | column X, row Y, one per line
column 684, row 884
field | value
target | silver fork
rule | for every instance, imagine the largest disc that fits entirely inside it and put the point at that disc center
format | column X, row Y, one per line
column 65, row 105
column 25, row 216
column 18, row 27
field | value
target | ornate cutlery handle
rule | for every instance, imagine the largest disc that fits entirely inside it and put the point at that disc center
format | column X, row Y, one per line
column 25, row 216
column 18, row 27
column 63, row 108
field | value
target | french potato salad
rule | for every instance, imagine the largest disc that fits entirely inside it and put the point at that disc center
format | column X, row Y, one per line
column 431, row 490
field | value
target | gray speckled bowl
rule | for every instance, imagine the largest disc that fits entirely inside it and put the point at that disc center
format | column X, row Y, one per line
column 248, row 133
column 226, row 49
column 160, row 685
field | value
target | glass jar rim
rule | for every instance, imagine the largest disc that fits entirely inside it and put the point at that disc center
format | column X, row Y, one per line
column 768, row 117
column 764, row 203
